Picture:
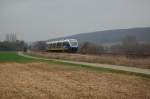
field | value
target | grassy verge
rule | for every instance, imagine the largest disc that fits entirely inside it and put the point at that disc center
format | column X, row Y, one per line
column 139, row 62
column 13, row 57
column 8, row 56
column 98, row 69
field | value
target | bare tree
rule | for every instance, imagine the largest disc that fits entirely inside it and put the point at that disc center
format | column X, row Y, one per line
column 39, row 46
column 11, row 43
column 131, row 47
column 11, row 37
column 91, row 48
column 129, row 40
column 129, row 44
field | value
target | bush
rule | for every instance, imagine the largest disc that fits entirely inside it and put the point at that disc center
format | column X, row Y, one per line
column 91, row 48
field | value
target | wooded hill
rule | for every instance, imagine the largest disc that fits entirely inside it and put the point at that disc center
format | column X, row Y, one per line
column 112, row 36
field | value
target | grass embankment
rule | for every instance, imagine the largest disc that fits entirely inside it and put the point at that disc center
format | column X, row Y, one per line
column 9, row 56
column 88, row 67
column 99, row 69
column 13, row 57
column 139, row 62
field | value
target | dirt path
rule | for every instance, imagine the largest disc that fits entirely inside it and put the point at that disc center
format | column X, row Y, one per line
column 51, row 81
column 124, row 68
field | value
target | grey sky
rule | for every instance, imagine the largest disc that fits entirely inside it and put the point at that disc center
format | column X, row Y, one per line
column 44, row 19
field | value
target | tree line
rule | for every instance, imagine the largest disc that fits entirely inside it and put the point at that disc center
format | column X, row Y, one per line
column 129, row 46
column 11, row 43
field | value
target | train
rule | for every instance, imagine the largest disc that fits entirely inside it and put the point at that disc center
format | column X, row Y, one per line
column 66, row 45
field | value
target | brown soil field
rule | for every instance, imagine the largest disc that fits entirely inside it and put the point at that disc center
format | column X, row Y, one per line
column 103, row 59
column 51, row 81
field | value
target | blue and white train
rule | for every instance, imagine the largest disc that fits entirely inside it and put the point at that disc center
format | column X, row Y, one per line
column 67, row 45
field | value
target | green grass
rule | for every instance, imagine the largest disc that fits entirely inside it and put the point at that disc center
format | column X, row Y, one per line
column 7, row 56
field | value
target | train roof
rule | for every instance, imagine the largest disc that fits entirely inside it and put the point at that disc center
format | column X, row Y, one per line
column 56, row 41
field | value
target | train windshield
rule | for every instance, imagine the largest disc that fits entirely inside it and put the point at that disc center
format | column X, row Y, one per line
column 73, row 43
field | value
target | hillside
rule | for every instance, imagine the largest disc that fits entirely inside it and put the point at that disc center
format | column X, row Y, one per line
column 112, row 36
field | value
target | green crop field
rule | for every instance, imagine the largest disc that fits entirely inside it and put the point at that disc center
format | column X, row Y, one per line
column 7, row 56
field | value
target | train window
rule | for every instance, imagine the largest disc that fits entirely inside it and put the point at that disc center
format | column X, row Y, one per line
column 54, row 45
column 73, row 43
column 49, row 45
column 66, row 44
column 63, row 43
column 59, row 44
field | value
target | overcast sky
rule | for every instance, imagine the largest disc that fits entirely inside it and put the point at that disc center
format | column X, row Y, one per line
column 45, row 19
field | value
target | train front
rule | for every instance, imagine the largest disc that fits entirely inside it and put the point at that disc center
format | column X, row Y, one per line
column 73, row 45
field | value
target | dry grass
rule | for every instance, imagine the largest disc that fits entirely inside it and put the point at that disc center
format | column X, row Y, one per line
column 104, row 59
column 51, row 81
